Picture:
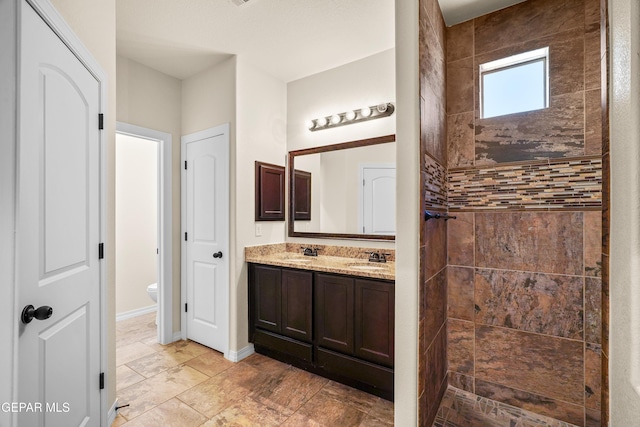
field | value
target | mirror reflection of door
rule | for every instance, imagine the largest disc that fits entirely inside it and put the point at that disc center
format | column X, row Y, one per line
column 378, row 195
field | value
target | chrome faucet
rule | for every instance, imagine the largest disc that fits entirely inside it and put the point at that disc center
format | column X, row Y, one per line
column 309, row 251
column 378, row 257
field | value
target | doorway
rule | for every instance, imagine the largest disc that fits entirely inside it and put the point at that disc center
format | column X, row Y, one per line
column 377, row 198
column 143, row 226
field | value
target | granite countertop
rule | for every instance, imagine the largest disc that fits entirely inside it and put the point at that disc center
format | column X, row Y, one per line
column 357, row 264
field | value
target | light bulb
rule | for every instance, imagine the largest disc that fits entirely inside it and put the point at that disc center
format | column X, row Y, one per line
column 365, row 111
column 350, row 115
column 382, row 108
column 335, row 119
column 322, row 122
column 311, row 124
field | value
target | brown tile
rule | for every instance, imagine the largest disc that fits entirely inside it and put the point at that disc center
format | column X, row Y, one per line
column 593, row 376
column 541, row 18
column 593, row 123
column 605, row 304
column 435, row 306
column 436, row 246
column 532, row 402
column 247, row 412
column 533, row 302
column 324, row 410
column 460, row 350
column 432, row 59
column 460, row 291
column 130, row 352
column 126, row 377
column 592, row 11
column 433, row 138
column 605, row 403
column 436, row 370
column 544, row 365
column 214, row 395
column 382, row 411
column 460, row 239
column 460, row 92
column 435, row 17
column 557, row 131
column 549, row 242
column 288, row 391
column 593, row 244
column 173, row 355
column 210, row 363
column 593, row 310
column 460, row 140
column 592, row 57
column 606, row 219
column 171, row 413
column 350, row 396
column 593, row 417
column 460, row 41
column 151, row 392
column 461, row 381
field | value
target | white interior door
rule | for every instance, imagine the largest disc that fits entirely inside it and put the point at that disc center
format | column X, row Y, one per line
column 57, row 231
column 378, row 199
column 207, row 236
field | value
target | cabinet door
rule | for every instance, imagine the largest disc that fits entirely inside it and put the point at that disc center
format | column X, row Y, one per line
column 374, row 321
column 267, row 291
column 297, row 287
column 334, row 312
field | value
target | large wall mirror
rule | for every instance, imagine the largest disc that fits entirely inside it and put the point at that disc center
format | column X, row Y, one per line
column 345, row 191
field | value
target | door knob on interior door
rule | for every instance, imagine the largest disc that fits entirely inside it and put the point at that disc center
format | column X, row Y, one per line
column 41, row 313
column 218, row 254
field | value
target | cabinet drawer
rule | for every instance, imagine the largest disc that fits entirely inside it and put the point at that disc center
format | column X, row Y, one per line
column 283, row 345
column 375, row 376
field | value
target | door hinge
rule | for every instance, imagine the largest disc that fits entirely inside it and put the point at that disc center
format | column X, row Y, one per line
column 100, row 121
column 185, row 236
column 185, row 165
column 185, row 307
column 101, row 251
column 101, row 380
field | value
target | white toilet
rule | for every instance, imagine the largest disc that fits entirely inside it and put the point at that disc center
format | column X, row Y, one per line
column 152, row 290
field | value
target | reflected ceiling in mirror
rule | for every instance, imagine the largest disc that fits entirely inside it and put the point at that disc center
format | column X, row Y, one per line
column 344, row 190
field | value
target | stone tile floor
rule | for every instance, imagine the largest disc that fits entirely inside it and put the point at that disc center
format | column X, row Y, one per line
column 462, row 409
column 185, row 384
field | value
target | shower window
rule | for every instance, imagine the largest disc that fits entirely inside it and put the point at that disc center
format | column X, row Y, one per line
column 515, row 84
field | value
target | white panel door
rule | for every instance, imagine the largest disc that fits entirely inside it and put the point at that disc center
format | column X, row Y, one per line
column 207, row 238
column 57, row 231
column 379, row 200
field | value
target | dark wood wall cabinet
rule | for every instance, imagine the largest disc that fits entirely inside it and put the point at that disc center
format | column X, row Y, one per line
column 340, row 327
column 302, row 193
column 270, row 203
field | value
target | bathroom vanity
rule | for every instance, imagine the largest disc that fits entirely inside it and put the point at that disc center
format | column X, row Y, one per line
column 330, row 315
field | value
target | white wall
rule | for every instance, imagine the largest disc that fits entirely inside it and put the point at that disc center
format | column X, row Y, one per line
column 624, row 97
column 365, row 82
column 153, row 100
column 408, row 216
column 136, row 221
column 260, row 135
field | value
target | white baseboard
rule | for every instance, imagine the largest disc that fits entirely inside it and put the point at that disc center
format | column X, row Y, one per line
column 112, row 414
column 177, row 336
column 137, row 312
column 243, row 353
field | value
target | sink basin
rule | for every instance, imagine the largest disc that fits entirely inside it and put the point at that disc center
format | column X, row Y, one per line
column 366, row 267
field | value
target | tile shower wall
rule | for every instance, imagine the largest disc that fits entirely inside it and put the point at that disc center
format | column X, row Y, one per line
column 525, row 257
column 432, row 358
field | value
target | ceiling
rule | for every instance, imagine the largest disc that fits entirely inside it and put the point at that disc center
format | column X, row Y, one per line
column 288, row 39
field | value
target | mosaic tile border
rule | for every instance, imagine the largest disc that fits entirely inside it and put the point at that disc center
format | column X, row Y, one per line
column 553, row 184
column 435, row 185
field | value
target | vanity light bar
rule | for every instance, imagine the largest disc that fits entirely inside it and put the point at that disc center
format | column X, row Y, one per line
column 353, row 116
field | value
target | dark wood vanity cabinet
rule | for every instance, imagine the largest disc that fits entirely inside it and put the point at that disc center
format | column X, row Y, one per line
column 341, row 327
